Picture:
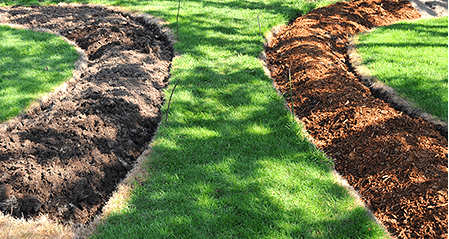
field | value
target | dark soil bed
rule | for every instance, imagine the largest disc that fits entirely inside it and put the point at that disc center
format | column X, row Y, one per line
column 396, row 162
column 65, row 157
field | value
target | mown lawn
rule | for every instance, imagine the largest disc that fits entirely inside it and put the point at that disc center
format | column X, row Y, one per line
column 231, row 162
column 32, row 64
column 412, row 58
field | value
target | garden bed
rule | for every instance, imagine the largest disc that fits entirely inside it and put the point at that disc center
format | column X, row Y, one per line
column 65, row 156
column 396, row 162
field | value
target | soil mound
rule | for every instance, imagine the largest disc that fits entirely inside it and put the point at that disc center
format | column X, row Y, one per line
column 397, row 163
column 65, row 157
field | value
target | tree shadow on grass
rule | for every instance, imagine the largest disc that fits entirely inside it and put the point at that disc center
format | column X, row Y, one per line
column 236, row 166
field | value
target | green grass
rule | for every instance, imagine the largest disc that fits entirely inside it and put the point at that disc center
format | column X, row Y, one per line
column 412, row 58
column 231, row 162
column 31, row 65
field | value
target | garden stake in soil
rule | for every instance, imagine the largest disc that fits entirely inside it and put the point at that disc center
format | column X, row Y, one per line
column 260, row 31
column 291, row 94
column 177, row 16
column 168, row 107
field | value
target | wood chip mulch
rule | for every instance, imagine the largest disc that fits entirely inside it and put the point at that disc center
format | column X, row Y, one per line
column 397, row 163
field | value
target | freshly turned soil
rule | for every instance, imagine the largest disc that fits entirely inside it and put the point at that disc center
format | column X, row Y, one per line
column 396, row 162
column 65, row 156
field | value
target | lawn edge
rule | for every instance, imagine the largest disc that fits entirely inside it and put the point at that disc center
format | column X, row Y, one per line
column 136, row 176
column 387, row 93
column 338, row 177
column 42, row 224
column 37, row 105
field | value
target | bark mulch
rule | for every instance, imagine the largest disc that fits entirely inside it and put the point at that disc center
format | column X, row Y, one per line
column 396, row 162
column 65, row 157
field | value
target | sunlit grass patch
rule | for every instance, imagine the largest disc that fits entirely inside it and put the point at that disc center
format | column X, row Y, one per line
column 412, row 58
column 32, row 64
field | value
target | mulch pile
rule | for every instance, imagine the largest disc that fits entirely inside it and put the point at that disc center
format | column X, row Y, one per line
column 397, row 163
column 65, row 157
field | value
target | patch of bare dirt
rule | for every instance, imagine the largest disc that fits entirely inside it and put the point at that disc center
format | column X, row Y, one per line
column 65, row 157
column 398, row 163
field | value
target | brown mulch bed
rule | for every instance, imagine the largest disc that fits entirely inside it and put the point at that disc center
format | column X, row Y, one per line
column 396, row 162
column 65, row 157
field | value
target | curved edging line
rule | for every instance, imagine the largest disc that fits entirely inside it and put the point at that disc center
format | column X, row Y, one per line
column 397, row 163
column 388, row 94
column 64, row 88
column 124, row 74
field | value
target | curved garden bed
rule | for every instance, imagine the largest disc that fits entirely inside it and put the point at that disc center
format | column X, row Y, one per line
column 397, row 163
column 65, row 157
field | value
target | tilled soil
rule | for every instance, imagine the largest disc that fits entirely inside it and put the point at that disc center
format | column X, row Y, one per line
column 65, row 156
column 396, row 162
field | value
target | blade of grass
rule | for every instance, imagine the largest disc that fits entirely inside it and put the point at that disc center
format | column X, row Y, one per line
column 260, row 30
column 177, row 19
